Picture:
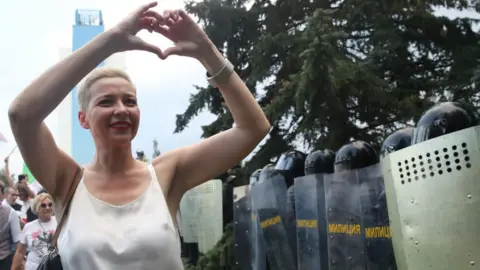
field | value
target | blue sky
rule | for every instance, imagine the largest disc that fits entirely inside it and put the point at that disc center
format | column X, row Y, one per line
column 34, row 31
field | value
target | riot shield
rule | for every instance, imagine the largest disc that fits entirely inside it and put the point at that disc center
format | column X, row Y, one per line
column 269, row 199
column 346, row 247
column 209, row 219
column 375, row 222
column 433, row 202
column 258, row 253
column 242, row 216
column 189, row 212
column 311, row 223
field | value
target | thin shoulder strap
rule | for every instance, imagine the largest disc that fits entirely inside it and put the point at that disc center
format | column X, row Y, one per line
column 66, row 208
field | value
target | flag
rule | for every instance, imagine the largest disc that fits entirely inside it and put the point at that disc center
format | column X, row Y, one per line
column 2, row 138
column 26, row 171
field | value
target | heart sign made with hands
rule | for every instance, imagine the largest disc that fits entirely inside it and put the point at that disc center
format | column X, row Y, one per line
column 188, row 37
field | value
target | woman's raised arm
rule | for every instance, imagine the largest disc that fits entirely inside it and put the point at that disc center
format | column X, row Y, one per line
column 53, row 168
column 30, row 108
column 211, row 157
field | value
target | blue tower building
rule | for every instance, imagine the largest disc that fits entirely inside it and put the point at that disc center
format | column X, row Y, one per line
column 88, row 24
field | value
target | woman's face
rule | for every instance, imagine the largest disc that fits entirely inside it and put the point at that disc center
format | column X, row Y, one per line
column 45, row 209
column 113, row 115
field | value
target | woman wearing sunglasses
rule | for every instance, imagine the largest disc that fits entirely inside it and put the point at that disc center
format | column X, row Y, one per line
column 36, row 235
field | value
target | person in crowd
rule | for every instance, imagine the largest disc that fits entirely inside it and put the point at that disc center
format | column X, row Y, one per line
column 11, row 199
column 9, row 233
column 22, row 180
column 31, row 216
column 37, row 235
column 23, row 195
column 109, row 224
column 8, row 176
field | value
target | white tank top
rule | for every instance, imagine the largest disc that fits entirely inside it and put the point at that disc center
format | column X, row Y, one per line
column 138, row 235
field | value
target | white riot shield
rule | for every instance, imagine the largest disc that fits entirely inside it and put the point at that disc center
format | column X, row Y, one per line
column 269, row 198
column 210, row 214
column 189, row 215
column 433, row 197
column 311, row 223
column 201, row 214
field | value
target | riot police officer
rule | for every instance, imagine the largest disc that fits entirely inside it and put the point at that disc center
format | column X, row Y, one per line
column 255, row 177
column 317, row 162
column 396, row 141
column 309, row 191
column 436, row 176
column 355, row 155
column 270, row 203
column 383, row 251
column 227, row 194
column 258, row 255
column 320, row 161
column 348, row 193
column 266, row 172
column 291, row 165
column 442, row 119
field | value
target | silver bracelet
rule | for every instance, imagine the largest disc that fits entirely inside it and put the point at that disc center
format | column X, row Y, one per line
column 222, row 76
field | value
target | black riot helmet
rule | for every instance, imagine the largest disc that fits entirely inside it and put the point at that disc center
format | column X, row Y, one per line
column 320, row 161
column 255, row 177
column 398, row 140
column 442, row 119
column 355, row 155
column 291, row 165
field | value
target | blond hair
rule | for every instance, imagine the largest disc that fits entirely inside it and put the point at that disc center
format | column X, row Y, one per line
column 38, row 201
column 84, row 95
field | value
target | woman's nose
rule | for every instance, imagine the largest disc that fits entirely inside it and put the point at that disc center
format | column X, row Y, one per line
column 120, row 109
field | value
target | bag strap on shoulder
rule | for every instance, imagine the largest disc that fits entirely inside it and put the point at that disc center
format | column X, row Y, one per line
column 66, row 208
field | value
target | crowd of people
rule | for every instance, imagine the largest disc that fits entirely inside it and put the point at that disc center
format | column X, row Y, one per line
column 27, row 223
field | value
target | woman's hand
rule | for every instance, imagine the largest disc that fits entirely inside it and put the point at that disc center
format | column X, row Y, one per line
column 188, row 37
column 123, row 35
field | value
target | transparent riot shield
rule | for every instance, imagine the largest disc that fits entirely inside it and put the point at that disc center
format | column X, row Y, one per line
column 209, row 219
column 258, row 253
column 346, row 245
column 189, row 212
column 311, row 223
column 242, row 220
column 375, row 222
column 269, row 199
column 433, row 196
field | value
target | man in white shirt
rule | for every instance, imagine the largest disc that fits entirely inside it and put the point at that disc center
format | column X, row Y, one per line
column 11, row 199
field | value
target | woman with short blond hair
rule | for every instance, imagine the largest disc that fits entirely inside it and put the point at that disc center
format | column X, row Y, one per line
column 37, row 235
column 122, row 213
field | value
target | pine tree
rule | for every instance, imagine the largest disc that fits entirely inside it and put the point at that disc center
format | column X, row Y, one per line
column 326, row 72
